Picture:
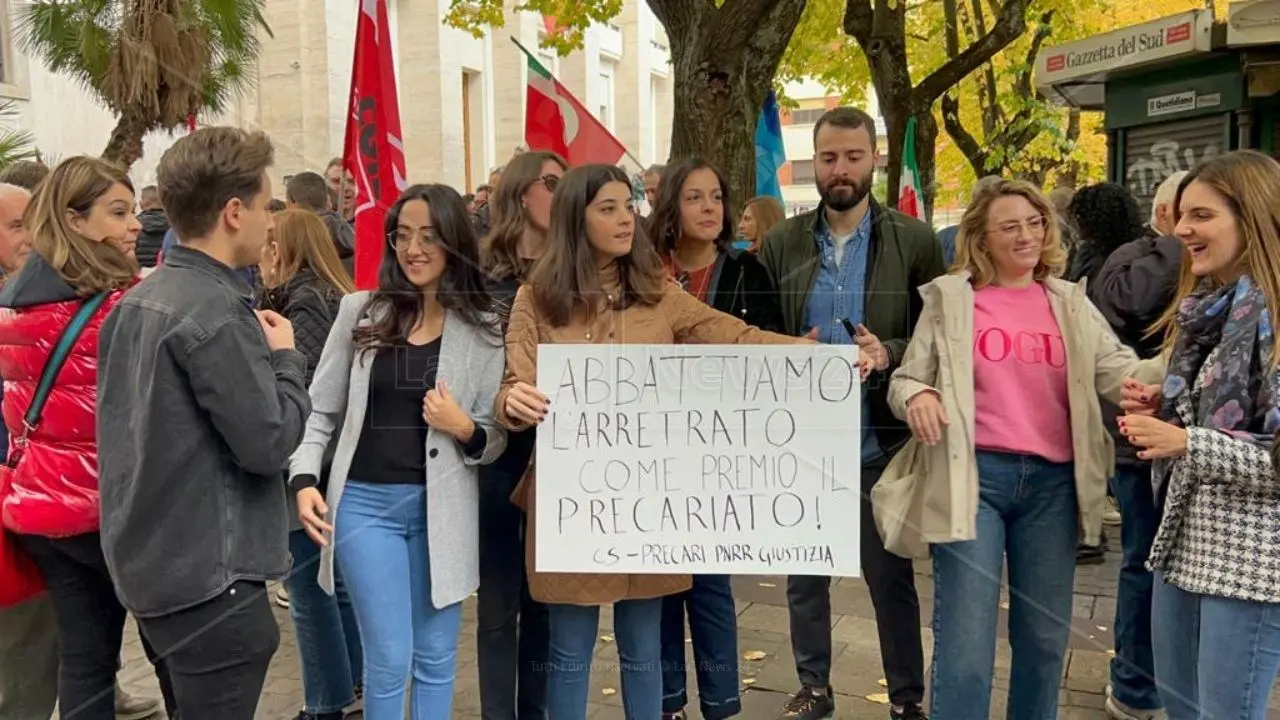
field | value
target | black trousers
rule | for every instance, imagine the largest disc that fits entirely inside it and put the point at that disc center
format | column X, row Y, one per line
column 512, row 632
column 217, row 652
column 90, row 622
column 891, row 580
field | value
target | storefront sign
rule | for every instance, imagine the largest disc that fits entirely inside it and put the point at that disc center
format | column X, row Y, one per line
column 736, row 459
column 1170, row 37
column 1170, row 104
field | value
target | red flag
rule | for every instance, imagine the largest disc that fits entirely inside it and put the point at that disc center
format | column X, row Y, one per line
column 374, row 152
column 554, row 120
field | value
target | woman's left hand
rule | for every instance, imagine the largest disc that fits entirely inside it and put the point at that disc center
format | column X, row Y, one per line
column 442, row 412
column 1158, row 438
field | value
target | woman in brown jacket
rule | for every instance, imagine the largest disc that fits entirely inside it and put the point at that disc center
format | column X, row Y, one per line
column 596, row 283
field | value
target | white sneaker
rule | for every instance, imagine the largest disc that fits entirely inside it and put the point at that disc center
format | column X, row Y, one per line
column 1117, row 710
column 1111, row 514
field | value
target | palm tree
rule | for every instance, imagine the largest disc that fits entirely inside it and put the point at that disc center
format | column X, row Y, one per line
column 154, row 63
column 15, row 145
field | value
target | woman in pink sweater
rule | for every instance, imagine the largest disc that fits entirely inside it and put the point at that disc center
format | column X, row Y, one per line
column 1000, row 386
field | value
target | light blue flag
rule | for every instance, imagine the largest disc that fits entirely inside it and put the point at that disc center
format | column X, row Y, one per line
column 770, row 153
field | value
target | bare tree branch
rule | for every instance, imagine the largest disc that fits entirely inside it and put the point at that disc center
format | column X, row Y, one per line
column 1043, row 31
column 964, row 140
column 992, row 113
column 1010, row 24
column 951, row 26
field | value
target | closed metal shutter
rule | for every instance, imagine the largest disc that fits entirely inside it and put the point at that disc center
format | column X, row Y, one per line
column 1154, row 152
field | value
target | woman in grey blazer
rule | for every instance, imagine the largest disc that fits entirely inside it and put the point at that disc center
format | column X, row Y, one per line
column 412, row 370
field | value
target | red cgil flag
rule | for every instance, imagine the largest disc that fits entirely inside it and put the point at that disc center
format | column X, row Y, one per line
column 373, row 153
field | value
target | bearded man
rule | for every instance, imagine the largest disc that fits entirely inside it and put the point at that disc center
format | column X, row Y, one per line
column 852, row 264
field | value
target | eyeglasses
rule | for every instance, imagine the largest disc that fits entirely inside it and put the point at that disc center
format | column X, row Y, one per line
column 400, row 238
column 1011, row 229
column 551, row 181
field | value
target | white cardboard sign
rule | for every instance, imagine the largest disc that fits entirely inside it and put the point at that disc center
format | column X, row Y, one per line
column 699, row 459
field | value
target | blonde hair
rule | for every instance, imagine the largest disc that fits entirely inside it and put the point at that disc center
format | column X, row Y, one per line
column 303, row 241
column 767, row 212
column 971, row 247
column 72, row 188
column 1249, row 183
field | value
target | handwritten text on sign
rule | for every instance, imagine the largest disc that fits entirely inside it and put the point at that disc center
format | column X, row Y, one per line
column 699, row 459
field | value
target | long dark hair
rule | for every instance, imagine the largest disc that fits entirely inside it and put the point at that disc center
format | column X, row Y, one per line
column 664, row 222
column 507, row 216
column 567, row 273
column 397, row 304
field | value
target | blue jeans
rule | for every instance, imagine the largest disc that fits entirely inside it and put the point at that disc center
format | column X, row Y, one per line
column 328, row 636
column 1133, row 669
column 1027, row 511
column 1215, row 657
column 381, row 539
column 573, row 641
column 713, row 627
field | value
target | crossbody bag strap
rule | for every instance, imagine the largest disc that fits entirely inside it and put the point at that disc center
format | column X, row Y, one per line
column 57, row 359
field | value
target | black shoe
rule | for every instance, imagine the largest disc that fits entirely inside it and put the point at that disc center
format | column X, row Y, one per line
column 910, row 711
column 810, row 704
column 1090, row 554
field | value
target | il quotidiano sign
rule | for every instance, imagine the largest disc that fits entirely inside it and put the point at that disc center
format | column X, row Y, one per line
column 1161, row 39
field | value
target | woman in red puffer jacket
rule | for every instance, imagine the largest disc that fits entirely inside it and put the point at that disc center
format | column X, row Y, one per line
column 83, row 231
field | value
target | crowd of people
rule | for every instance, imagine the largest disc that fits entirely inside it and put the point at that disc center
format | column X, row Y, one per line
column 199, row 403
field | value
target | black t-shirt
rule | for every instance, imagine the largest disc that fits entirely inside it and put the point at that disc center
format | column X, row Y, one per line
column 393, row 440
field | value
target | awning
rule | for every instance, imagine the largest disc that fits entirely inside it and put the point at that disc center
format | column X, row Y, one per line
column 1253, row 22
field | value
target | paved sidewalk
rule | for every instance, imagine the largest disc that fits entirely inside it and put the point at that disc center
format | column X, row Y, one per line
column 762, row 628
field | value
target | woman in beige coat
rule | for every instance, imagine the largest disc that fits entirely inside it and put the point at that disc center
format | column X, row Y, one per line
column 1000, row 386
column 597, row 284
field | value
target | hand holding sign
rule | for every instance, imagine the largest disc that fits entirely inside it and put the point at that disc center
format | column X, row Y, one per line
column 526, row 404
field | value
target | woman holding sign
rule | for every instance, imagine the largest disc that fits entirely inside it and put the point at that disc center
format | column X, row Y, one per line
column 692, row 230
column 999, row 385
column 598, row 284
column 409, row 371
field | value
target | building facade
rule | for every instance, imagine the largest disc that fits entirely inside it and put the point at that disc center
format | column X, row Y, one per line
column 461, row 97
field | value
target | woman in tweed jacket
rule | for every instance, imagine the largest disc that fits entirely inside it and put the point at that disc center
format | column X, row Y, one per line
column 1209, row 429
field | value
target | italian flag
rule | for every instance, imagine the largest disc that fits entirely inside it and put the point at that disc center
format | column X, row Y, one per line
column 554, row 120
column 910, row 198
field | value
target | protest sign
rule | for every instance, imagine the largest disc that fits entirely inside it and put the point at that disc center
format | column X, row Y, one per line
column 699, row 459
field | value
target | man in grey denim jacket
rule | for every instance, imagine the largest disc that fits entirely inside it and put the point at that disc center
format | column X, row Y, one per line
column 200, row 403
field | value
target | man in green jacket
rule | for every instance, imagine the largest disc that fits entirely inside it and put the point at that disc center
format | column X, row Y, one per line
column 854, row 260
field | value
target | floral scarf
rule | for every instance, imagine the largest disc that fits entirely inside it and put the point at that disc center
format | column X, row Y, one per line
column 1236, row 396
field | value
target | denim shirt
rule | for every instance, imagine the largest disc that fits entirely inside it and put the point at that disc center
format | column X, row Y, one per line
column 839, row 293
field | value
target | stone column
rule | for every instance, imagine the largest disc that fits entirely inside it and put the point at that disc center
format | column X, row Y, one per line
column 420, row 84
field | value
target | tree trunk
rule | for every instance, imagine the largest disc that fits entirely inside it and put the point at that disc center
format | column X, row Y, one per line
column 717, row 122
column 125, row 145
column 723, row 61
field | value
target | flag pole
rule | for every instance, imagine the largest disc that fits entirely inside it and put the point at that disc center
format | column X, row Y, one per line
column 530, row 56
